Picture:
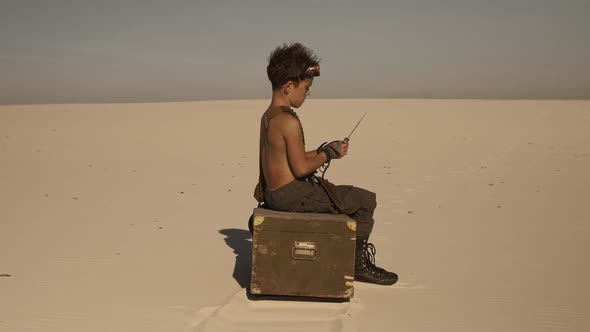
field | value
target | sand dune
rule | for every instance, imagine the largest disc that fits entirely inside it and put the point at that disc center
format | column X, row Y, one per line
column 132, row 217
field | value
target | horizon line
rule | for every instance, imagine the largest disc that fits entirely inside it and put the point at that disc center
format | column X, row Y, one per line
column 259, row 99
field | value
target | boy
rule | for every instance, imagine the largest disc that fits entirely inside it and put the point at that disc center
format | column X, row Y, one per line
column 287, row 180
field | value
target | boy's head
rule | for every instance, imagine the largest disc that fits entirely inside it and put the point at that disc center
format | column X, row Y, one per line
column 291, row 69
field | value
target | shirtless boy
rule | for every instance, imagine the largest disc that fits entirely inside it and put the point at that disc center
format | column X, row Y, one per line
column 287, row 181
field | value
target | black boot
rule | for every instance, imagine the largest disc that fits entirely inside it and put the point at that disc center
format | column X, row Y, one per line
column 365, row 269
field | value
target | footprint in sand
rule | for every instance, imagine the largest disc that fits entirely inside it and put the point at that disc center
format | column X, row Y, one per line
column 240, row 315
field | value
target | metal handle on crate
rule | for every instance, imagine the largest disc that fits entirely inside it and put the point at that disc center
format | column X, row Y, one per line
column 304, row 251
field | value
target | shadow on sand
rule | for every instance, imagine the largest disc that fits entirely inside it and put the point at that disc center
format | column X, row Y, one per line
column 240, row 241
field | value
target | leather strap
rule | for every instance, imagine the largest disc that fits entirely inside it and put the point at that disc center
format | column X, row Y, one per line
column 330, row 189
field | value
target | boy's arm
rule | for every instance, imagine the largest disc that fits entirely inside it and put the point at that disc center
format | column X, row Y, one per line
column 302, row 163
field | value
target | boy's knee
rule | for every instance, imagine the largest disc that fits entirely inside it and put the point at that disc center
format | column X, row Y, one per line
column 370, row 200
column 373, row 200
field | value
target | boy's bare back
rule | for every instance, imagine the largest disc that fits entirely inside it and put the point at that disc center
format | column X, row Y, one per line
column 275, row 163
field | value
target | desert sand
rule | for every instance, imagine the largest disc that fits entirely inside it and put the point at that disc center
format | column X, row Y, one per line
column 132, row 217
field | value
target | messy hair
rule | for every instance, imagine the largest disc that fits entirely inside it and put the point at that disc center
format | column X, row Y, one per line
column 289, row 63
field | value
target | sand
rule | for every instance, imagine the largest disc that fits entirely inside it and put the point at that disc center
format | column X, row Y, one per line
column 132, row 217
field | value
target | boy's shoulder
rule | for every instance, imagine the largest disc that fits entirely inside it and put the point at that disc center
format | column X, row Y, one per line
column 283, row 114
column 285, row 121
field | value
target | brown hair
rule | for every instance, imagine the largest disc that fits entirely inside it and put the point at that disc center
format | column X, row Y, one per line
column 290, row 63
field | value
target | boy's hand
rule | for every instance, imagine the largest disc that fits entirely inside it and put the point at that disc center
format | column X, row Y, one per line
column 334, row 149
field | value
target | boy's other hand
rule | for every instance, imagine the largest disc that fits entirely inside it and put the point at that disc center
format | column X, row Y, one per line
column 343, row 149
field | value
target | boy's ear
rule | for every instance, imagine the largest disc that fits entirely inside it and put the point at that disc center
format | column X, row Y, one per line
column 288, row 87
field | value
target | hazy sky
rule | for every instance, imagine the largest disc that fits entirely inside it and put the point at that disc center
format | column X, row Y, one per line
column 143, row 50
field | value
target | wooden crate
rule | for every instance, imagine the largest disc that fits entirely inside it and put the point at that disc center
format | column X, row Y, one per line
column 303, row 254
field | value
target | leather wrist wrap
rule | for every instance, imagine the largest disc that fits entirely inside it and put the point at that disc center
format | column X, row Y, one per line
column 331, row 149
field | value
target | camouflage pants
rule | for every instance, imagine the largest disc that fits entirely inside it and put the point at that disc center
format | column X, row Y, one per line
column 310, row 197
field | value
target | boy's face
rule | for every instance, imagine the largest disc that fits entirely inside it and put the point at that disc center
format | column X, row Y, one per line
column 298, row 93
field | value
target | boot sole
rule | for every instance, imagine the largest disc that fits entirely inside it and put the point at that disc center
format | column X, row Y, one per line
column 387, row 282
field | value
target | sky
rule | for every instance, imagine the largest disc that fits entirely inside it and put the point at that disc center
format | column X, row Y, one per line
column 66, row 51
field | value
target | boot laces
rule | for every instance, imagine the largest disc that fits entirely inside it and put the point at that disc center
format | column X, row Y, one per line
column 370, row 252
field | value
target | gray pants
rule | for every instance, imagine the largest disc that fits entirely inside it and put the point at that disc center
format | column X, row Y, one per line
column 310, row 197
